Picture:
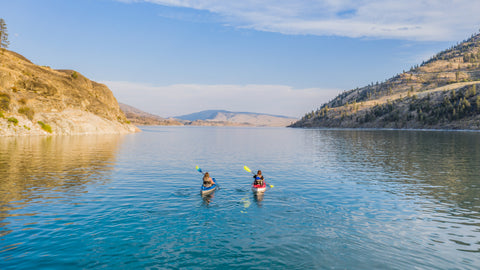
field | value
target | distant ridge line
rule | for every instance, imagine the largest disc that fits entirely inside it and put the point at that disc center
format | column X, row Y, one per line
column 210, row 114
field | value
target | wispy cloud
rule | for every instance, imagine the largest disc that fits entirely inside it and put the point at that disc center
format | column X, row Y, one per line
column 179, row 99
column 436, row 20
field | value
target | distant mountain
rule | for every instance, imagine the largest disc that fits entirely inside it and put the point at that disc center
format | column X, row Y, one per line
column 441, row 93
column 207, row 118
column 141, row 118
column 203, row 115
column 227, row 118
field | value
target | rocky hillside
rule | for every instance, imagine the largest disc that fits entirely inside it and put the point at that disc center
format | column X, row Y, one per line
column 441, row 93
column 227, row 118
column 38, row 100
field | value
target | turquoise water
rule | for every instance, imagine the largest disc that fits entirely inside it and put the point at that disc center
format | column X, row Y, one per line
column 342, row 199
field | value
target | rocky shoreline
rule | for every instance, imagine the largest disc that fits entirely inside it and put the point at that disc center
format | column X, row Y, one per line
column 68, row 122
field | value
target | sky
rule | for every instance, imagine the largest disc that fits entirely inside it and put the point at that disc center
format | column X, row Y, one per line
column 283, row 57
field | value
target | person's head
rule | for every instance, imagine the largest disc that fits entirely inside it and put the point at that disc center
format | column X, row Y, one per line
column 259, row 172
column 207, row 174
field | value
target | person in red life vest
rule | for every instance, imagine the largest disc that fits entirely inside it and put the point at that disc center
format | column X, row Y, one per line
column 259, row 179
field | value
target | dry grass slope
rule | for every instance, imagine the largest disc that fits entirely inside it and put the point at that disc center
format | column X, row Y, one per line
column 62, row 99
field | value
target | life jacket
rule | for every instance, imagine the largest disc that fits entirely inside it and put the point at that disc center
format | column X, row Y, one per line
column 258, row 180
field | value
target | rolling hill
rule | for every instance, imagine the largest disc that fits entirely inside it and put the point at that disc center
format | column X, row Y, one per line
column 228, row 118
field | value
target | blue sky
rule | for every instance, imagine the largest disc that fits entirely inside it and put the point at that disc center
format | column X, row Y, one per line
column 173, row 57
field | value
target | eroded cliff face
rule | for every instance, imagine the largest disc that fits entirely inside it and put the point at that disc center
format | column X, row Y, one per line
column 36, row 100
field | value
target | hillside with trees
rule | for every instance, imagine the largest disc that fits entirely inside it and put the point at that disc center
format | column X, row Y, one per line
column 441, row 93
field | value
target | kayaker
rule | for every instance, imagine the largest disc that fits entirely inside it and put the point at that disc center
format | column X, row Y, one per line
column 258, row 178
column 207, row 180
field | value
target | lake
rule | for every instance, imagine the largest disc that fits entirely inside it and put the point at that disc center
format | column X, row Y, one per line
column 342, row 199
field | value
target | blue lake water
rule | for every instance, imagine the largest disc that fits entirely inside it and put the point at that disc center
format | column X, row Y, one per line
column 342, row 199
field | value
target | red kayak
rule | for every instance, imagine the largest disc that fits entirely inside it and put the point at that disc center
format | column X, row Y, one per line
column 259, row 188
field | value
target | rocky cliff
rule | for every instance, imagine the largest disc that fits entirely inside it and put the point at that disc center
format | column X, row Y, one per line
column 441, row 93
column 38, row 100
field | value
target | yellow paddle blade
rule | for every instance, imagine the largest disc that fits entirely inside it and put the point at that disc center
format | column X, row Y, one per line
column 271, row 186
column 247, row 169
column 196, row 167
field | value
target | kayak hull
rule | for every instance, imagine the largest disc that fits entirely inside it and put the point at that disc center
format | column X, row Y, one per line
column 207, row 190
column 259, row 188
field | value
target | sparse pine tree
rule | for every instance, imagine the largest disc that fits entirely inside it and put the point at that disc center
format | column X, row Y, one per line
column 477, row 102
column 3, row 34
column 470, row 92
column 466, row 103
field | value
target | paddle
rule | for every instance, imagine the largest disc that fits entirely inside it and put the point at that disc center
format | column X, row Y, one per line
column 199, row 170
column 250, row 171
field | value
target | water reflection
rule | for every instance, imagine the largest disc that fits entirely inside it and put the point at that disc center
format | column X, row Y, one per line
column 208, row 198
column 258, row 198
column 438, row 171
column 443, row 165
column 39, row 169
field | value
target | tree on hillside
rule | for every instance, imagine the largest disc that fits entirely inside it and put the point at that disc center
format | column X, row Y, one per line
column 3, row 34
